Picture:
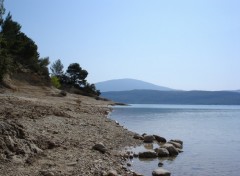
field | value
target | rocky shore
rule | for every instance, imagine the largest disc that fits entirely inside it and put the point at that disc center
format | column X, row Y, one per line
column 45, row 133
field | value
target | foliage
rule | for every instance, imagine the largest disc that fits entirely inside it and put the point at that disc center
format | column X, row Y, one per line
column 5, row 62
column 22, row 49
column 43, row 66
column 18, row 49
column 57, row 68
column 2, row 11
column 91, row 89
column 76, row 75
column 55, row 82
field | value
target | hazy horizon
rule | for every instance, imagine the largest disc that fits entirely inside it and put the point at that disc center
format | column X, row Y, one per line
column 186, row 45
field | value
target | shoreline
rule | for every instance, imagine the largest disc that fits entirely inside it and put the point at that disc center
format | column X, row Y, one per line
column 43, row 134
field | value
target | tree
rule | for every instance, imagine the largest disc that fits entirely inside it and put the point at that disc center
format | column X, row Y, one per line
column 2, row 11
column 55, row 82
column 5, row 60
column 76, row 75
column 43, row 67
column 57, row 68
column 21, row 48
column 91, row 89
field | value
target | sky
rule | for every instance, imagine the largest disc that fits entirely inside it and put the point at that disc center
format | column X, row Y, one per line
column 187, row 44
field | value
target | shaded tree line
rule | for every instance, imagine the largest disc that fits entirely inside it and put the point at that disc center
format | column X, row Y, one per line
column 74, row 76
column 18, row 52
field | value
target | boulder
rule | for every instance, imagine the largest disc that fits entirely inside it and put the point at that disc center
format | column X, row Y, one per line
column 148, row 138
column 147, row 154
column 161, row 172
column 177, row 141
column 162, row 152
column 135, row 155
column 112, row 173
column 63, row 93
column 99, row 147
column 160, row 164
column 171, row 149
column 175, row 144
column 10, row 143
column 137, row 136
column 160, row 139
column 136, row 174
column 35, row 149
column 144, row 134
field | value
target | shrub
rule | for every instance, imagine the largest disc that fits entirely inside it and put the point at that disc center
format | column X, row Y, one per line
column 55, row 82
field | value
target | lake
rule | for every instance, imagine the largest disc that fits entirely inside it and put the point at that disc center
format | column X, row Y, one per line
column 211, row 136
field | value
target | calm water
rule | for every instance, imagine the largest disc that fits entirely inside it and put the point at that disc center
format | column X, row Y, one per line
column 211, row 136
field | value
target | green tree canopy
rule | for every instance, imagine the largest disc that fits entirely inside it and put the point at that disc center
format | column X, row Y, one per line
column 21, row 48
column 2, row 11
column 57, row 68
column 76, row 74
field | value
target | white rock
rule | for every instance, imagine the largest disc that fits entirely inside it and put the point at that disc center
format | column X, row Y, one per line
column 161, row 172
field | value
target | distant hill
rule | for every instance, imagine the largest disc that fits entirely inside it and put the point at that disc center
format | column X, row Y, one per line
column 174, row 97
column 127, row 84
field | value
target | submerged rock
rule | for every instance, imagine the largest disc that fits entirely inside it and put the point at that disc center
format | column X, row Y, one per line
column 162, row 152
column 160, row 164
column 161, row 172
column 136, row 174
column 147, row 154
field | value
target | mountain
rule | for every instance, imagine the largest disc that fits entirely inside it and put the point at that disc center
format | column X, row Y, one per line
column 174, row 97
column 127, row 84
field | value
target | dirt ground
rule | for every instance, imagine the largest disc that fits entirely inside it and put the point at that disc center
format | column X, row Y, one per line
column 43, row 133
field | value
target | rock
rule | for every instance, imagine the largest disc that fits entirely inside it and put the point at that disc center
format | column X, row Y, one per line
column 47, row 173
column 148, row 138
column 63, row 93
column 136, row 174
column 160, row 164
column 147, row 154
column 35, row 149
column 144, row 134
column 160, row 139
column 99, row 147
column 129, row 164
column 50, row 174
column 161, row 172
column 177, row 141
column 162, row 152
column 131, row 156
column 135, row 155
column 112, row 173
column 9, row 143
column 179, row 150
column 137, row 136
column 175, row 144
column 72, row 164
column 171, row 149
column 52, row 145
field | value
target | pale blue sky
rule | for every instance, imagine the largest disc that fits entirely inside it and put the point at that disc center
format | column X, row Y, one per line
column 182, row 44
